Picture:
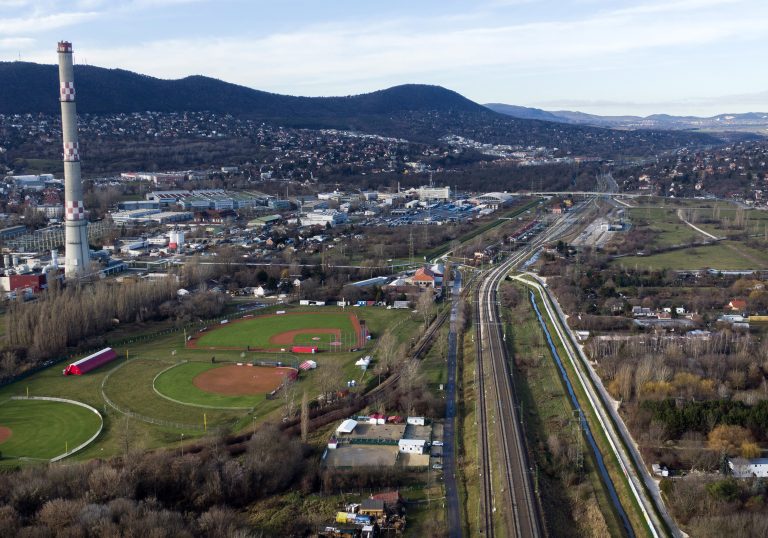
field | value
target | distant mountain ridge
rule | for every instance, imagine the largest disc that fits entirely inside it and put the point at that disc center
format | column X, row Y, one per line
column 420, row 113
column 105, row 91
column 748, row 121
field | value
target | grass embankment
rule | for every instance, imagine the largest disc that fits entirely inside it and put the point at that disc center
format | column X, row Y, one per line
column 42, row 429
column 573, row 498
column 621, row 484
column 467, row 456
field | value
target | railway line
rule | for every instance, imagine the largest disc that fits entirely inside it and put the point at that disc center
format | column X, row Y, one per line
column 516, row 500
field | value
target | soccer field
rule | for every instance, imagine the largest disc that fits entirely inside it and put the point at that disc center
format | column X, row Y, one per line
column 277, row 331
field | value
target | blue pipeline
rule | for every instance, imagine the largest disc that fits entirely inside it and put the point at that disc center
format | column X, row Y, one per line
column 585, row 426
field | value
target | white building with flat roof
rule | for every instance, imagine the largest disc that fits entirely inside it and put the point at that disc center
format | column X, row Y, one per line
column 743, row 468
column 347, row 427
column 411, row 446
column 434, row 193
column 323, row 218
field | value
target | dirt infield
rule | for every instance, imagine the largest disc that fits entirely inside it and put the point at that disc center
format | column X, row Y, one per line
column 5, row 434
column 241, row 380
column 287, row 338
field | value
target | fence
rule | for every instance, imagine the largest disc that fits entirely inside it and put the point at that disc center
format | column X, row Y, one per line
column 73, row 402
column 137, row 416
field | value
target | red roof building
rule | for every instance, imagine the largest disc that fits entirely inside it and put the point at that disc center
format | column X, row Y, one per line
column 737, row 305
column 424, row 277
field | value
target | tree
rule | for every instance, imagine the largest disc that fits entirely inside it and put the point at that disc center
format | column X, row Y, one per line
column 426, row 305
column 304, row 417
column 728, row 439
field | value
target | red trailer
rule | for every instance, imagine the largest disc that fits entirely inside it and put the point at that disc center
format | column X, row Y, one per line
column 304, row 349
column 91, row 362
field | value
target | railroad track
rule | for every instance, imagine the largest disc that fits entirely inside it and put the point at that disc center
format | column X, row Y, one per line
column 487, row 508
column 519, row 505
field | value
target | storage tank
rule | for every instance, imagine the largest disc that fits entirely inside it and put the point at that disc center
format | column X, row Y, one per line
column 176, row 239
column 7, row 261
column 16, row 260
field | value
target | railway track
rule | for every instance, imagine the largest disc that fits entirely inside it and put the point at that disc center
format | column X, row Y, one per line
column 487, row 508
column 518, row 504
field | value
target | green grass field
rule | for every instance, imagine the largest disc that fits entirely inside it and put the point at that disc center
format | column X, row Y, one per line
column 44, row 429
column 177, row 384
column 725, row 255
column 256, row 332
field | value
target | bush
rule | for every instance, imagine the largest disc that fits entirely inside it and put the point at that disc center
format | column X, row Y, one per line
column 666, row 486
column 724, row 490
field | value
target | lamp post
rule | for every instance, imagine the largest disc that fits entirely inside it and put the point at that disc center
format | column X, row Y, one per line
column 181, row 444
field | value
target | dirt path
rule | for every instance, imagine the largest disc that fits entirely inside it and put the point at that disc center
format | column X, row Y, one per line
column 743, row 254
column 702, row 232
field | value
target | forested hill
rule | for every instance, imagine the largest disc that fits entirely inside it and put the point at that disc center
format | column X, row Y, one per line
column 416, row 112
column 29, row 87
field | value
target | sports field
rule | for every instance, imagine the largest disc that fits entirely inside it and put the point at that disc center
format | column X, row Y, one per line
column 41, row 429
column 277, row 331
column 219, row 385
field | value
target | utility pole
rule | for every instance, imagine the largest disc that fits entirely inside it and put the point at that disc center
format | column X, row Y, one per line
column 410, row 246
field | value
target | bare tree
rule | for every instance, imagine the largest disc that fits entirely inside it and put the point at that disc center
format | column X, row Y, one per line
column 304, row 417
column 426, row 305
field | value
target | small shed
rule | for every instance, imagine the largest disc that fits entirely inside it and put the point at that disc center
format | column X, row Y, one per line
column 372, row 507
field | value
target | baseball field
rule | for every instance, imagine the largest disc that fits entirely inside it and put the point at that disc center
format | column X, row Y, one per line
column 42, row 430
column 220, row 386
column 277, row 331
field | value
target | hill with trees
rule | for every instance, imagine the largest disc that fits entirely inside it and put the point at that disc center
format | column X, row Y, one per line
column 416, row 112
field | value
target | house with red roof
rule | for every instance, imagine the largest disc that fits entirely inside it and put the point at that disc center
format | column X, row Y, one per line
column 737, row 305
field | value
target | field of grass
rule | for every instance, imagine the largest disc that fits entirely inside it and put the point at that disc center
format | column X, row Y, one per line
column 667, row 227
column 256, row 332
column 44, row 429
column 177, row 384
column 725, row 255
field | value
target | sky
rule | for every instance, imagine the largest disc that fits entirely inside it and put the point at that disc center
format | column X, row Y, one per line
column 683, row 57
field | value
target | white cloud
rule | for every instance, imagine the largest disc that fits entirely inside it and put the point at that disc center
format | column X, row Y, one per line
column 43, row 23
column 330, row 56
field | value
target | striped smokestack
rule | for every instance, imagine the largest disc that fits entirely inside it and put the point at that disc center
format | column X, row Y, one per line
column 76, row 251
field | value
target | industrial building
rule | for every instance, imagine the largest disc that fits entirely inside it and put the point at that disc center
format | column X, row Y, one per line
column 323, row 218
column 433, row 194
column 150, row 216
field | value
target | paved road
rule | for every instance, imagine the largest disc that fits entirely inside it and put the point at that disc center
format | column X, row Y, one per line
column 449, row 448
column 627, row 452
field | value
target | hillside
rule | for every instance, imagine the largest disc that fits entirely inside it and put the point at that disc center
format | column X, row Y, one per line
column 417, row 112
column 749, row 122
